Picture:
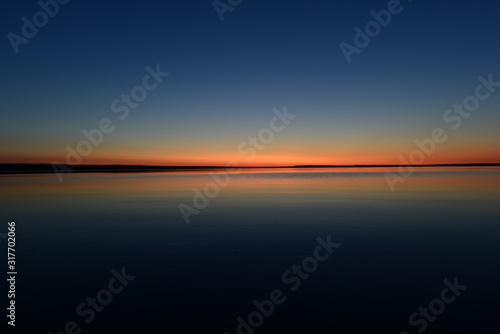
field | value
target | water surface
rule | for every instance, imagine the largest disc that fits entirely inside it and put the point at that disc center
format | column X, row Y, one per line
column 396, row 249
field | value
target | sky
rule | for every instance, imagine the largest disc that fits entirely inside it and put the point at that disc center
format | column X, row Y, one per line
column 225, row 78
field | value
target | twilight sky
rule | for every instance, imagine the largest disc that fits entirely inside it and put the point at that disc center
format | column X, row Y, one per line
column 226, row 77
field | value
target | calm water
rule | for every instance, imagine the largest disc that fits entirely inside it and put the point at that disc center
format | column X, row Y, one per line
column 396, row 250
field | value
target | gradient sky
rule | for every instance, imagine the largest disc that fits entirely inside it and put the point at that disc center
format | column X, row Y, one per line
column 227, row 77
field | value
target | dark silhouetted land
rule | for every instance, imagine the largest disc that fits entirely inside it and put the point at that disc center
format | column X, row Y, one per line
column 48, row 168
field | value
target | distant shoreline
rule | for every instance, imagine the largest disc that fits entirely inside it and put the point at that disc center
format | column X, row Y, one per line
column 47, row 168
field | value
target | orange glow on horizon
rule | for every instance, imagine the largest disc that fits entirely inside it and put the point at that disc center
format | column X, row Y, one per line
column 281, row 155
column 268, row 162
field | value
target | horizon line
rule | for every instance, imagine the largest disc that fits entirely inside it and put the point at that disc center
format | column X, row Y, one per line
column 46, row 168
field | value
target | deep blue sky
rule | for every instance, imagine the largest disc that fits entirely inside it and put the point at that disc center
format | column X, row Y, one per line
column 226, row 77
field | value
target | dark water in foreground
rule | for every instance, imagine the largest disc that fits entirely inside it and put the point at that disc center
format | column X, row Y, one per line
column 396, row 250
